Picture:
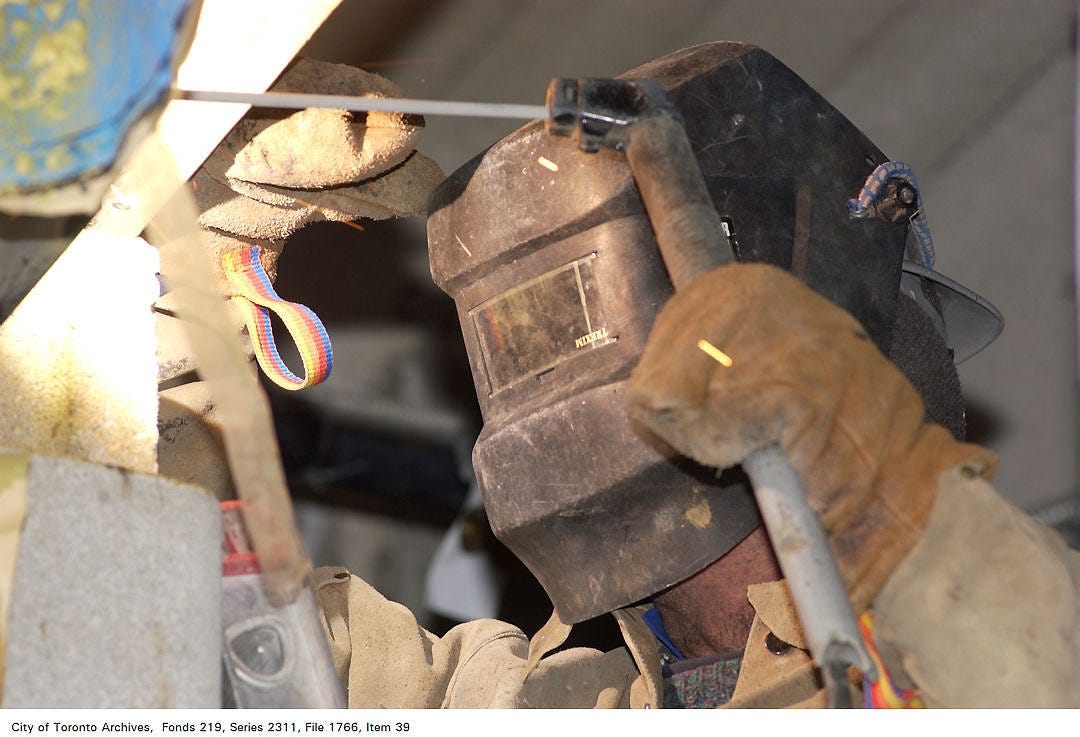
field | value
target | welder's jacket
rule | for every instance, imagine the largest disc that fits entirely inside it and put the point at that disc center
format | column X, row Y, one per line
column 985, row 611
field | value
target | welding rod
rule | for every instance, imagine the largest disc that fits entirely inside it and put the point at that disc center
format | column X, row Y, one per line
column 301, row 101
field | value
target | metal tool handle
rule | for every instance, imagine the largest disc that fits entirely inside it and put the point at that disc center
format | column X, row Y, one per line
column 689, row 234
column 809, row 568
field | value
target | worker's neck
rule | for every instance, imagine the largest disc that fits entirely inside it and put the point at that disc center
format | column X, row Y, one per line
column 708, row 613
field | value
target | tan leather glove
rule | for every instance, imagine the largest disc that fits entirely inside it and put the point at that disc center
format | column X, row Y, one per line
column 806, row 375
column 273, row 175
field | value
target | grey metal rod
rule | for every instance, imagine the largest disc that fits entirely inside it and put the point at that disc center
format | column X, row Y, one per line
column 809, row 569
column 302, row 100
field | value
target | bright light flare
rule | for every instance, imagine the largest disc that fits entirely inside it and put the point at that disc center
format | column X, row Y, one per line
column 715, row 353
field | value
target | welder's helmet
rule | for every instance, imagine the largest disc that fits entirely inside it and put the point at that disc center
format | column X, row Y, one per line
column 551, row 260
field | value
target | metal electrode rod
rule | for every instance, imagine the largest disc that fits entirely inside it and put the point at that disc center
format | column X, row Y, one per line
column 301, row 101
column 809, row 569
column 691, row 241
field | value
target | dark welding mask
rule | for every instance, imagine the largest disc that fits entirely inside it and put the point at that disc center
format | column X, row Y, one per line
column 551, row 260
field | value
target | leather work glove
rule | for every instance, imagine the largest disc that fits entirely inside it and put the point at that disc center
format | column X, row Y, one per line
column 268, row 178
column 272, row 175
column 803, row 373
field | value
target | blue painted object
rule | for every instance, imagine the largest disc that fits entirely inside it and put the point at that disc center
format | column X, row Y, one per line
column 74, row 76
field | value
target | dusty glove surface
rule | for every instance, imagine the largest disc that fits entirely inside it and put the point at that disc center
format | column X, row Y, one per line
column 318, row 147
column 273, row 175
column 806, row 375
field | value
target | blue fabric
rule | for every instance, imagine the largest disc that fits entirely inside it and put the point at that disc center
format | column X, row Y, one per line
column 656, row 624
column 74, row 76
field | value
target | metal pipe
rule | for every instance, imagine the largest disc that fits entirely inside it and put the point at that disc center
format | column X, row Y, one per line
column 809, row 569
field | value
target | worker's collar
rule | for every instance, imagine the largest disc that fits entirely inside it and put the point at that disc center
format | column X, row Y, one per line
column 652, row 618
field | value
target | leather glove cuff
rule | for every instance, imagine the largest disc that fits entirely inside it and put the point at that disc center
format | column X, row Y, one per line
column 803, row 373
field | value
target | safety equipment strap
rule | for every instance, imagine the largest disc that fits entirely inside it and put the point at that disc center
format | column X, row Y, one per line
column 883, row 693
column 256, row 299
column 862, row 205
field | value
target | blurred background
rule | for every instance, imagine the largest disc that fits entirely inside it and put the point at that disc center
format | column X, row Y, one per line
column 978, row 96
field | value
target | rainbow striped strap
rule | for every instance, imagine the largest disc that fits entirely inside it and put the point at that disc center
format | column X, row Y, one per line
column 256, row 298
column 884, row 693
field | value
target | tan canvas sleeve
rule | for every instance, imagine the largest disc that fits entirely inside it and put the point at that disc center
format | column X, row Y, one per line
column 985, row 611
column 386, row 660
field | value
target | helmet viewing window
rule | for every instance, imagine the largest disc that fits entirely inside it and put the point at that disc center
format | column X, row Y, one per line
column 531, row 328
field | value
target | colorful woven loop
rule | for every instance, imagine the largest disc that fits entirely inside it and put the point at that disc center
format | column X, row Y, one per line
column 861, row 205
column 884, row 693
column 256, row 299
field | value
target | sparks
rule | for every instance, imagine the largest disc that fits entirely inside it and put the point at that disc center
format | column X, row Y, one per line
column 354, row 226
column 547, row 163
column 713, row 352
